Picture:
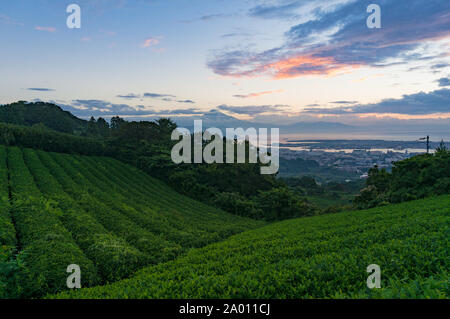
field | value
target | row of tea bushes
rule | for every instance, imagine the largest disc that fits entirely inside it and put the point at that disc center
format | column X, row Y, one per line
column 315, row 257
column 113, row 257
column 47, row 248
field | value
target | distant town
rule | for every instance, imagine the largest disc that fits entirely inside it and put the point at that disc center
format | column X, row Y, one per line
column 353, row 156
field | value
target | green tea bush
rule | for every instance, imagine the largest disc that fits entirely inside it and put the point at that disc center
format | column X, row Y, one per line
column 114, row 258
column 7, row 232
column 49, row 140
column 47, row 248
column 314, row 257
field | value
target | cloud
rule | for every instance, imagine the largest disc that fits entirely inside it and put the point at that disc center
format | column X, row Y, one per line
column 46, row 29
column 298, row 9
column 129, row 96
column 186, row 101
column 276, row 11
column 236, row 34
column 190, row 111
column 251, row 109
column 40, row 89
column 335, row 38
column 163, row 97
column 344, row 102
column 105, row 108
column 413, row 104
column 253, row 95
column 444, row 82
column 4, row 19
column 208, row 17
column 157, row 95
column 101, row 108
column 440, row 66
column 149, row 42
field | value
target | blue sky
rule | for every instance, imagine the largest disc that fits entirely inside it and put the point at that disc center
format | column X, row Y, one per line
column 272, row 61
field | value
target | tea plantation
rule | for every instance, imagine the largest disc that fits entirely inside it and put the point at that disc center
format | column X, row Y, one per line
column 315, row 257
column 105, row 216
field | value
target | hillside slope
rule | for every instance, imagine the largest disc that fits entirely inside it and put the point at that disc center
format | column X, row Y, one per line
column 315, row 257
column 48, row 114
column 107, row 217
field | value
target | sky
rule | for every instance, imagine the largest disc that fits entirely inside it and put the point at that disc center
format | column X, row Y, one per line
column 274, row 61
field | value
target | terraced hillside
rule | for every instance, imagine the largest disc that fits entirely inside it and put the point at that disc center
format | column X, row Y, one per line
column 315, row 257
column 109, row 218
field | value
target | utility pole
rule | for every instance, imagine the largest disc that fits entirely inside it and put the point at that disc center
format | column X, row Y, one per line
column 428, row 142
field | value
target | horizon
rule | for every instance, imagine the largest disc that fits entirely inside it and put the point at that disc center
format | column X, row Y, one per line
column 299, row 131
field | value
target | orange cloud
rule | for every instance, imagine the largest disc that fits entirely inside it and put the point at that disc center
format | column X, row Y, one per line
column 304, row 66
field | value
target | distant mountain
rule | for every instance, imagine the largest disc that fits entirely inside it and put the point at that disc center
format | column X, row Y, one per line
column 48, row 114
column 215, row 118
column 212, row 118
column 315, row 127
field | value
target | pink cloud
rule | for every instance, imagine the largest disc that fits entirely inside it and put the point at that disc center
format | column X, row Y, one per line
column 150, row 42
column 253, row 95
column 48, row 29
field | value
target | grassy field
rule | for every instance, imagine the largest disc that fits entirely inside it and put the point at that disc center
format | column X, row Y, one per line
column 107, row 217
column 315, row 257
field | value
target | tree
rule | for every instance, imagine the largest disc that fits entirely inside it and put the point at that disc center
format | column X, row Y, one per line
column 92, row 129
column 102, row 127
column 281, row 203
column 441, row 148
column 116, row 123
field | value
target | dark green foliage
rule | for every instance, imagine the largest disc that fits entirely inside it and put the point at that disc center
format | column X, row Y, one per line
column 7, row 232
column 413, row 178
column 282, row 203
column 48, row 140
column 442, row 148
column 304, row 185
column 237, row 204
column 44, row 114
column 331, row 197
column 317, row 257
